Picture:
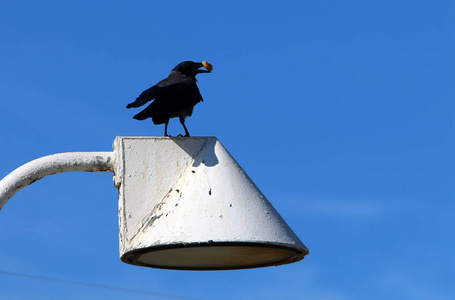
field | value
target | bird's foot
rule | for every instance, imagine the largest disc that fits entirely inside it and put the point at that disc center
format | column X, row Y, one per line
column 186, row 135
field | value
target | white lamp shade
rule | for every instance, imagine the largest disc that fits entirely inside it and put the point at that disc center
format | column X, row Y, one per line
column 185, row 203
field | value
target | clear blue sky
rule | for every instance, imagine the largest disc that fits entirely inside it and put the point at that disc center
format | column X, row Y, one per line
column 342, row 112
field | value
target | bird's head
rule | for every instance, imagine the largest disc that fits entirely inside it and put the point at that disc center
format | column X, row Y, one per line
column 191, row 68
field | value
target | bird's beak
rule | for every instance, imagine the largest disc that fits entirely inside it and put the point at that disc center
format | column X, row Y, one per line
column 207, row 66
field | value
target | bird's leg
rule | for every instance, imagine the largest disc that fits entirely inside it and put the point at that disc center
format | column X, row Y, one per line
column 182, row 120
column 165, row 128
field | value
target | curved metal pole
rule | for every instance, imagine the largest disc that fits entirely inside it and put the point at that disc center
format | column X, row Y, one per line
column 54, row 164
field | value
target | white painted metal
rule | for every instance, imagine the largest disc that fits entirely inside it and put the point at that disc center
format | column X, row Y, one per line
column 184, row 203
column 181, row 193
column 53, row 164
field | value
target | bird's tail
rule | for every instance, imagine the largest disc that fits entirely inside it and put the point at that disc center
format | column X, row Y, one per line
column 151, row 112
column 142, row 115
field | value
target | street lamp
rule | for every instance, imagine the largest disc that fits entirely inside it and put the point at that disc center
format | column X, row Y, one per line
column 184, row 203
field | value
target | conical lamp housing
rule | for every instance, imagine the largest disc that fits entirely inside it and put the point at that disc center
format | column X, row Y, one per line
column 185, row 203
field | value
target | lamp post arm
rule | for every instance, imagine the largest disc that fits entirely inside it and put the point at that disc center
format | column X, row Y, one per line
column 54, row 164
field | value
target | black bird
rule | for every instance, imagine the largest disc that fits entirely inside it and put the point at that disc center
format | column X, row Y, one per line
column 174, row 96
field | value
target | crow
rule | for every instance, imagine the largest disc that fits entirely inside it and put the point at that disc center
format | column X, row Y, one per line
column 174, row 96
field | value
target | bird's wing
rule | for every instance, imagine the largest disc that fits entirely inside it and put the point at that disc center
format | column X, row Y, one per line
column 176, row 83
column 177, row 88
column 144, row 97
column 159, row 89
